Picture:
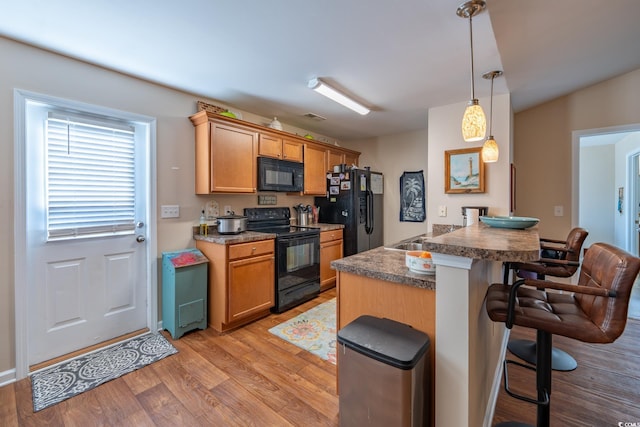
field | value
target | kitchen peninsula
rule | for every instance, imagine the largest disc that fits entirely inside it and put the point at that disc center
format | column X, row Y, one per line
column 466, row 347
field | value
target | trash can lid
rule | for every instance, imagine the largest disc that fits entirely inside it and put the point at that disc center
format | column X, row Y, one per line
column 185, row 257
column 385, row 340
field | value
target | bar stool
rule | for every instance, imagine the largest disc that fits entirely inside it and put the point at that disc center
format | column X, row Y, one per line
column 559, row 258
column 594, row 312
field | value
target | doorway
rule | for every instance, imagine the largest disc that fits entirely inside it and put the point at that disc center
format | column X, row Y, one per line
column 606, row 193
column 606, row 190
column 83, row 219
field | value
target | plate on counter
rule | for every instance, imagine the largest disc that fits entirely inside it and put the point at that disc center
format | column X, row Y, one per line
column 516, row 222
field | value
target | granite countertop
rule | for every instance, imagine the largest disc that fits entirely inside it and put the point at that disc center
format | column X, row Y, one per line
column 230, row 239
column 384, row 264
column 326, row 227
column 479, row 241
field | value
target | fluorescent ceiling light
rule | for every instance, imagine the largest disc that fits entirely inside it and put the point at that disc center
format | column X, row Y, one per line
column 326, row 90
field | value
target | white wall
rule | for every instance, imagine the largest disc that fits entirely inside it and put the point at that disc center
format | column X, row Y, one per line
column 597, row 201
column 445, row 134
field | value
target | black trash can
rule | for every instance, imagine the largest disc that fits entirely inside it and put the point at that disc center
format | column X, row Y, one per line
column 383, row 374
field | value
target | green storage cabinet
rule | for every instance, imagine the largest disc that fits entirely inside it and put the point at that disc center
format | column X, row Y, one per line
column 184, row 291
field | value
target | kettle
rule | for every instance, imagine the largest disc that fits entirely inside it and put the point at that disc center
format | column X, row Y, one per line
column 471, row 214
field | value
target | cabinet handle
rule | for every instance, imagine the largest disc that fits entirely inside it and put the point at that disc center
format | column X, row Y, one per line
column 253, row 249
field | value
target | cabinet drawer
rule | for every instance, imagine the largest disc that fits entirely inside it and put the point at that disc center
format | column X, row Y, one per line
column 327, row 236
column 243, row 250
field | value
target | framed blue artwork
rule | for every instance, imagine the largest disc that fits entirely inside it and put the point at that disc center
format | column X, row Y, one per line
column 412, row 206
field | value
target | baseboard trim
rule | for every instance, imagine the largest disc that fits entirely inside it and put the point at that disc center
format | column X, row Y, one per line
column 7, row 377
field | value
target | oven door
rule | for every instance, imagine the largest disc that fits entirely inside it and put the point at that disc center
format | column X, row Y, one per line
column 298, row 260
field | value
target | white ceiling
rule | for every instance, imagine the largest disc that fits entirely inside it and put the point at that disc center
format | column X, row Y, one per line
column 398, row 57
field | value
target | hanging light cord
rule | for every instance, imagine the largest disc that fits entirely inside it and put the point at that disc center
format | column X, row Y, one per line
column 473, row 91
column 493, row 76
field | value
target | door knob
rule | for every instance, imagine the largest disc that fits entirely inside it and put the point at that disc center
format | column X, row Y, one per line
column 140, row 238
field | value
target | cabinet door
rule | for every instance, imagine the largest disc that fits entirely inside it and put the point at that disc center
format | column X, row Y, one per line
column 291, row 150
column 233, row 159
column 329, row 251
column 315, row 173
column 251, row 286
column 350, row 159
column 270, row 146
column 334, row 158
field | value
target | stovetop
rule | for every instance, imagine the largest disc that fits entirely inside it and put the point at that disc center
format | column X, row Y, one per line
column 275, row 220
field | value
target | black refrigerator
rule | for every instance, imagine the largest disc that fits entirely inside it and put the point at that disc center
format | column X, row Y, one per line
column 354, row 198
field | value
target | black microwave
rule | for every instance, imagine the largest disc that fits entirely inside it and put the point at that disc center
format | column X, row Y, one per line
column 280, row 175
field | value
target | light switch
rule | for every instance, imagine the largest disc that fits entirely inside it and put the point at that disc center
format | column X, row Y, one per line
column 558, row 210
column 170, row 211
column 442, row 211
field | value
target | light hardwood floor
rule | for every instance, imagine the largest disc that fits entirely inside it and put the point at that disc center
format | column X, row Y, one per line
column 250, row 377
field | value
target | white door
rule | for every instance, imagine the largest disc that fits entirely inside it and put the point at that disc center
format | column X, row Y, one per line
column 86, row 213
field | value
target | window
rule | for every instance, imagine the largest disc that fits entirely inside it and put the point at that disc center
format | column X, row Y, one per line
column 90, row 176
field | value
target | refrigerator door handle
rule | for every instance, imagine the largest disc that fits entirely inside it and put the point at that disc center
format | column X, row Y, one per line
column 369, row 218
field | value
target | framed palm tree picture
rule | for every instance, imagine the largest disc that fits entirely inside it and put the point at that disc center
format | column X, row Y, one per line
column 412, row 206
column 463, row 171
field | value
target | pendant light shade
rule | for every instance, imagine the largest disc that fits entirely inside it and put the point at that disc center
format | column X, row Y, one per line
column 490, row 152
column 474, row 122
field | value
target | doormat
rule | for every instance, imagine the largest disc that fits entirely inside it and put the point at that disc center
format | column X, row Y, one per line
column 58, row 383
column 313, row 331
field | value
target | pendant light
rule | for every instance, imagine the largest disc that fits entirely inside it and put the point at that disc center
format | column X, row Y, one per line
column 490, row 151
column 474, row 122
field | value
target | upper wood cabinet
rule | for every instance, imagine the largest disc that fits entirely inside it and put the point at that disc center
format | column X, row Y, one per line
column 334, row 157
column 226, row 157
column 315, row 172
column 227, row 150
column 279, row 148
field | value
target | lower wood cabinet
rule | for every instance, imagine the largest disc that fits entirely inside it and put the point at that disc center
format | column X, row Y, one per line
column 331, row 244
column 241, row 282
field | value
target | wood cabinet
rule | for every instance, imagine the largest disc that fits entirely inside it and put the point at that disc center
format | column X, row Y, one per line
column 351, row 158
column 227, row 150
column 334, row 157
column 241, row 282
column 280, row 148
column 226, row 157
column 331, row 244
column 315, row 172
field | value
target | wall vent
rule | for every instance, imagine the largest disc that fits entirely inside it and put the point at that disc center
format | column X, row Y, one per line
column 315, row 117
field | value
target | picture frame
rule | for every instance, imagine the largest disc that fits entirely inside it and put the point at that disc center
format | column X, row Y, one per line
column 464, row 171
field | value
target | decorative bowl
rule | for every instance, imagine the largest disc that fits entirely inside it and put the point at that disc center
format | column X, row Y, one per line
column 515, row 222
column 420, row 262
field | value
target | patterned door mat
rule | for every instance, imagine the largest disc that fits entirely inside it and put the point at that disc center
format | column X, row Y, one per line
column 60, row 382
column 314, row 330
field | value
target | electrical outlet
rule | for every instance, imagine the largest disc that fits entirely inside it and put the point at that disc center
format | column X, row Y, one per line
column 558, row 210
column 227, row 209
column 170, row 211
column 442, row 211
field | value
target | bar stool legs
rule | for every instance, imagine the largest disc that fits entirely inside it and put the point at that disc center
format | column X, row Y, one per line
column 526, row 350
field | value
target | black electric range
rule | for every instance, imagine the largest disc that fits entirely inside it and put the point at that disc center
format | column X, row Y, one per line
column 297, row 272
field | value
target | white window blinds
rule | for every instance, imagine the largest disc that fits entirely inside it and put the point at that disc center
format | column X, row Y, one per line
column 90, row 178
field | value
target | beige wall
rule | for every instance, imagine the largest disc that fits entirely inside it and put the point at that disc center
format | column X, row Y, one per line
column 543, row 145
column 42, row 72
column 445, row 134
column 392, row 155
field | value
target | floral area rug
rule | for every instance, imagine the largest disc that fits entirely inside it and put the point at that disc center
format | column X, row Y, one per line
column 60, row 382
column 314, row 330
